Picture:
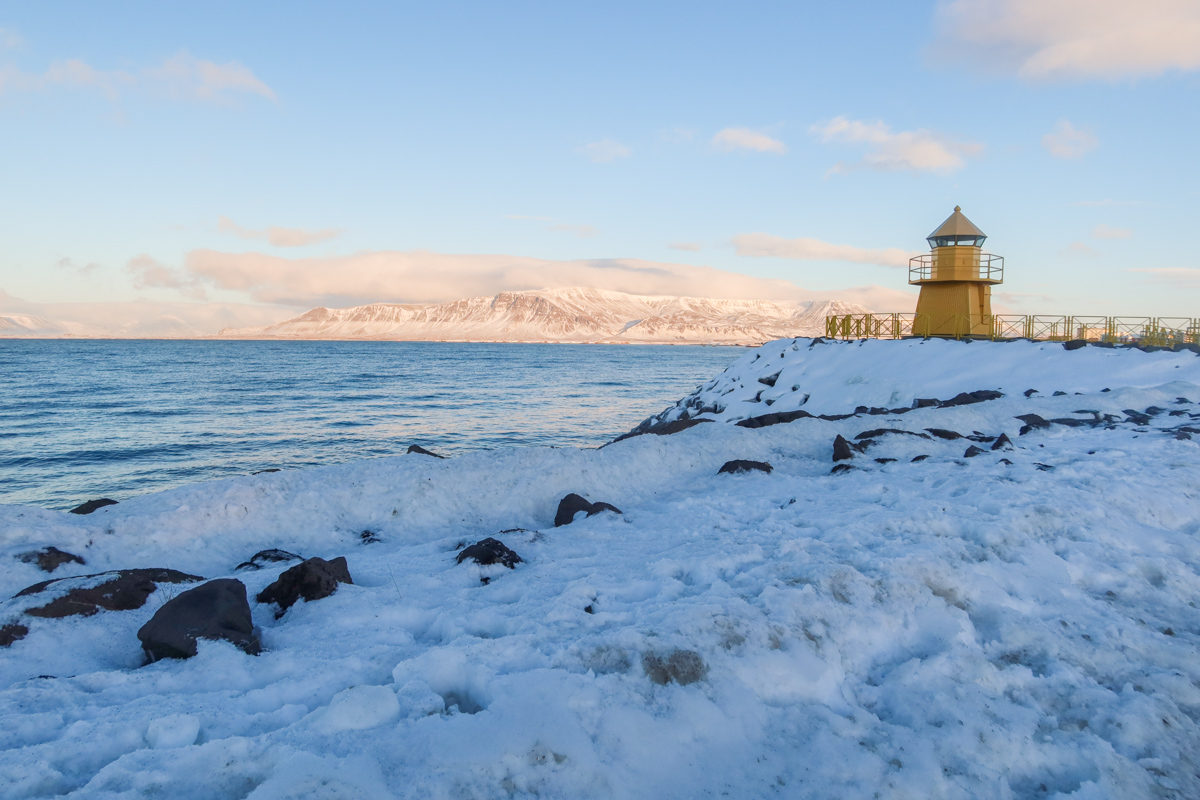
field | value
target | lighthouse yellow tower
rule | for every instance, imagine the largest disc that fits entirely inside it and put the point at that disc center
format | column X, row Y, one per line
column 956, row 281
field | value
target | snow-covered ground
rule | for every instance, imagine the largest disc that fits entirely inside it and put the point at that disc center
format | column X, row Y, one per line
column 951, row 627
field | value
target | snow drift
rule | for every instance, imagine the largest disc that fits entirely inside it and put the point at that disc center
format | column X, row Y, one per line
column 1017, row 622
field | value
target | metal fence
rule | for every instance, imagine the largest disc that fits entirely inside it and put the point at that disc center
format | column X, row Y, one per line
column 1163, row 331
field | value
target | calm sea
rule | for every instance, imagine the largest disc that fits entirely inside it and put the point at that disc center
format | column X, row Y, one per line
column 86, row 419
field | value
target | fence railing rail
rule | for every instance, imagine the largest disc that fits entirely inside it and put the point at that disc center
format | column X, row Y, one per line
column 1162, row 331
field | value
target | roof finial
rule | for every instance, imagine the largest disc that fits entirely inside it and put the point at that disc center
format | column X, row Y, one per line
column 958, row 208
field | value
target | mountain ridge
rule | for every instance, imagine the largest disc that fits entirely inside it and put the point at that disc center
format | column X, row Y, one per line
column 570, row 315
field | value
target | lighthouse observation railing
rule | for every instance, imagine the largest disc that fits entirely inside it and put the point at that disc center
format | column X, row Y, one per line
column 1161, row 331
column 983, row 267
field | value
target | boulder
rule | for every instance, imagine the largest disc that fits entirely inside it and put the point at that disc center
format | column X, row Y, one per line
column 974, row 450
column 92, row 505
column 572, row 504
column 121, row 590
column 742, row 465
column 490, row 551
column 967, row 398
column 1075, row 344
column 264, row 557
column 683, row 667
column 49, row 559
column 841, row 449
column 311, row 579
column 1003, row 443
column 12, row 633
column 915, row 459
column 777, row 418
column 877, row 432
column 1032, row 422
column 942, row 433
column 214, row 610
column 421, row 451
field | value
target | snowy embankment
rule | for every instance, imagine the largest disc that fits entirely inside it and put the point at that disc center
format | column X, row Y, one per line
column 947, row 626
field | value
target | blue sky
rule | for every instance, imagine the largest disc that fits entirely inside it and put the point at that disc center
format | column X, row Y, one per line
column 316, row 153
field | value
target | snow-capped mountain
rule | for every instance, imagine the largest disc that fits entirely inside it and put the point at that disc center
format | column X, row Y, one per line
column 24, row 325
column 564, row 315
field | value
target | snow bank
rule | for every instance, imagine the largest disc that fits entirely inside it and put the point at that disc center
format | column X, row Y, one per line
column 826, row 376
column 950, row 627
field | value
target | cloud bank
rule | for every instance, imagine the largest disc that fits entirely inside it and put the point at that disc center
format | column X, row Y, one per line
column 888, row 151
column 1059, row 40
column 763, row 245
column 425, row 277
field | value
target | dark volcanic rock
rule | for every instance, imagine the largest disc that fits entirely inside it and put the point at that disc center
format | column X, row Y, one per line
column 773, row 419
column 840, row 468
column 942, row 433
column 214, row 610
column 1029, row 392
column 742, row 465
column 1003, row 443
column 311, row 579
column 1075, row 344
column 872, row 434
column 924, row 402
column 92, row 505
column 124, row 590
column 967, row 398
column 490, row 551
column 421, row 451
column 884, row 460
column 683, row 667
column 264, row 557
column 572, row 504
column 12, row 633
column 841, row 449
column 1032, row 422
column 915, row 459
column 49, row 559
column 660, row 428
column 974, row 450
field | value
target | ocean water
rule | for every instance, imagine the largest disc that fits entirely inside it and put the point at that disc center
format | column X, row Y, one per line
column 86, row 419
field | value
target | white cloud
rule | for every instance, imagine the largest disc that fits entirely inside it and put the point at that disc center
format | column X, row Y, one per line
column 10, row 39
column 1183, row 277
column 730, row 139
column 180, row 77
column 1105, row 203
column 277, row 236
column 604, row 151
column 424, row 277
column 1041, row 40
column 690, row 247
column 763, row 245
column 580, row 231
column 83, row 269
column 1067, row 141
column 551, row 224
column 1080, row 249
column 1103, row 231
column 917, row 151
column 185, row 77
column 149, row 273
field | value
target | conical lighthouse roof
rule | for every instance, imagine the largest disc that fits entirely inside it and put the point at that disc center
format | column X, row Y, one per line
column 957, row 224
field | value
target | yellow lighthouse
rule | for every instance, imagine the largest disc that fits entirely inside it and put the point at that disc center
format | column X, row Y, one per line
column 956, row 281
